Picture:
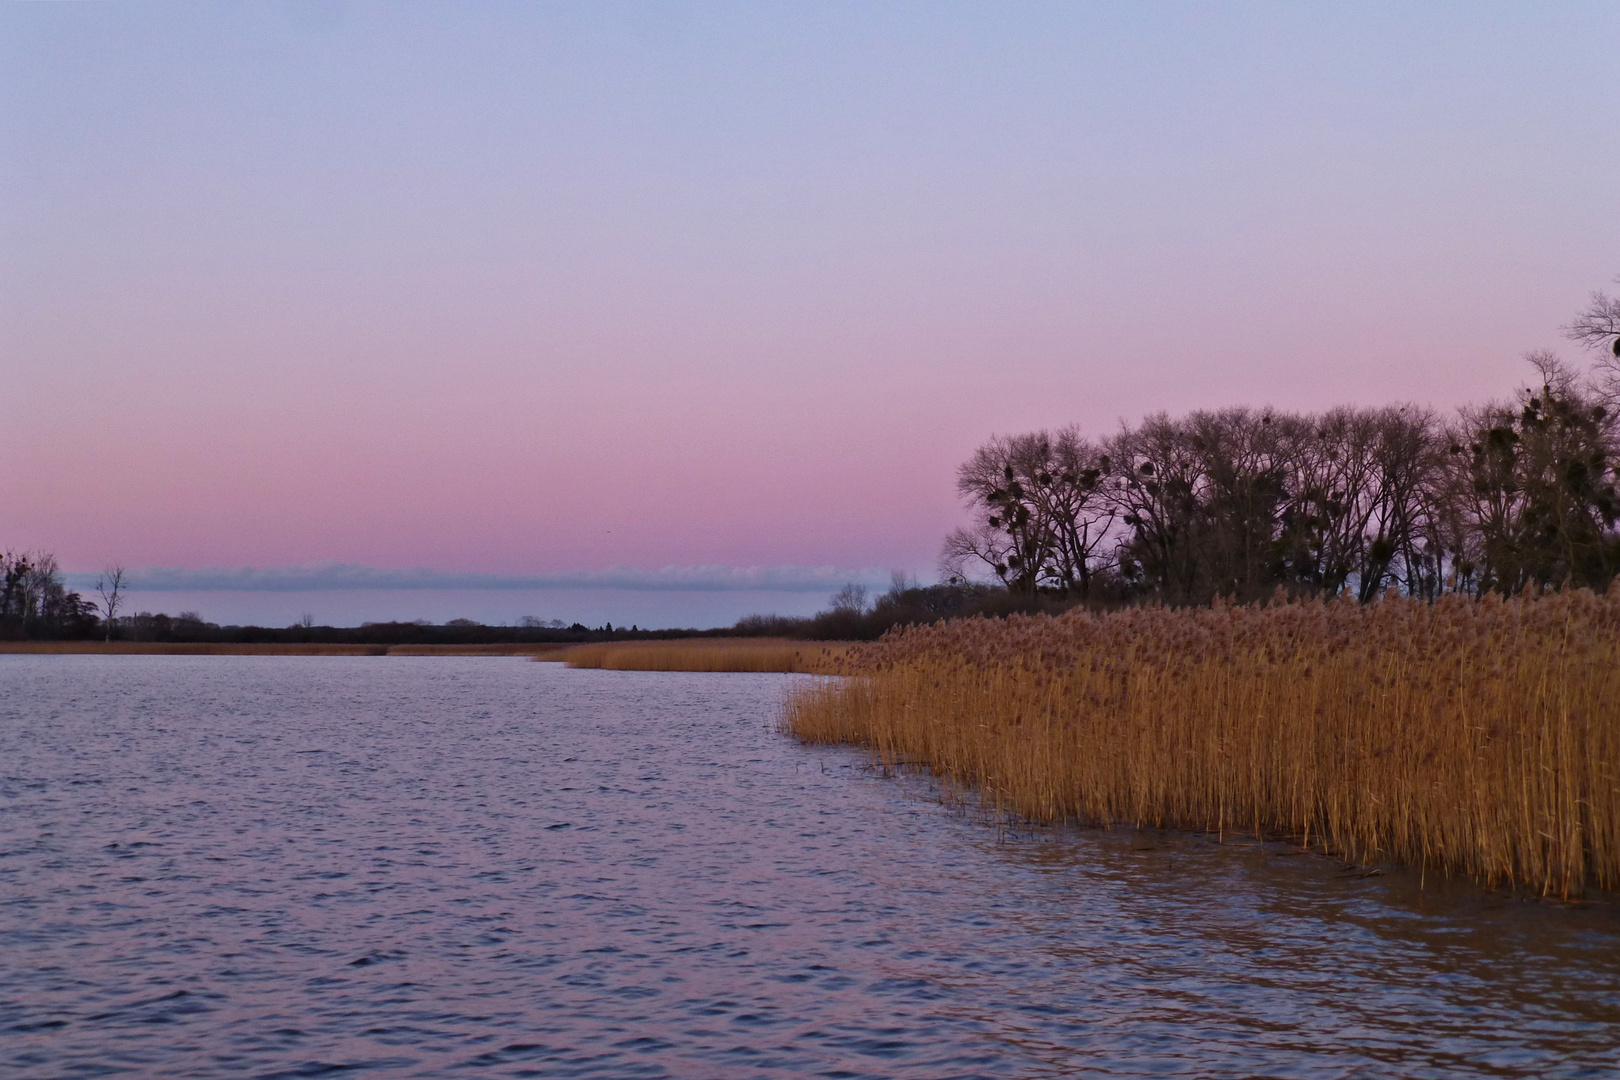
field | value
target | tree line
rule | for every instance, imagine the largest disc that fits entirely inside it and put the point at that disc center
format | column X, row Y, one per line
column 35, row 605
column 34, row 602
column 1240, row 502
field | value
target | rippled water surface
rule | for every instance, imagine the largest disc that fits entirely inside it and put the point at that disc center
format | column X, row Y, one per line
column 266, row 866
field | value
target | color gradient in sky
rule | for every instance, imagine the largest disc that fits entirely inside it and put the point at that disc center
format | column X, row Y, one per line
column 553, row 288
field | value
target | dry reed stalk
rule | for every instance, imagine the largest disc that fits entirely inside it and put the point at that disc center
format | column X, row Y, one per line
column 707, row 654
column 1476, row 738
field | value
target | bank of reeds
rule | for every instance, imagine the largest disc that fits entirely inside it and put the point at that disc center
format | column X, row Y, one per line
column 1480, row 738
column 707, row 654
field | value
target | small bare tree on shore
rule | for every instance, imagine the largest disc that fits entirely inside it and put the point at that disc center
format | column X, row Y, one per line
column 111, row 585
column 851, row 599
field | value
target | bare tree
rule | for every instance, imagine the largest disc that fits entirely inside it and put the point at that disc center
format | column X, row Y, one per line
column 851, row 599
column 1246, row 460
column 1158, row 488
column 1334, row 484
column 111, row 585
column 1405, row 545
column 1360, row 507
column 1535, row 486
column 41, row 584
column 1205, row 498
column 1010, row 531
column 1041, row 512
column 1073, row 486
column 1598, row 327
column 15, row 568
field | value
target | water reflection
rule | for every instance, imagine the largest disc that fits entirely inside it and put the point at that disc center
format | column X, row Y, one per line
column 1263, row 954
column 278, row 866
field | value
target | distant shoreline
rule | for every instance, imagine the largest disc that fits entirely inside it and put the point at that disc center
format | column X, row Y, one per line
column 273, row 648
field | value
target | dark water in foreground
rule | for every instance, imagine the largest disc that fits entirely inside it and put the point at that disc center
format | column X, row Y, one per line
column 254, row 866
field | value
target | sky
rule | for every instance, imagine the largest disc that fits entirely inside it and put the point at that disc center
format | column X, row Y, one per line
column 611, row 305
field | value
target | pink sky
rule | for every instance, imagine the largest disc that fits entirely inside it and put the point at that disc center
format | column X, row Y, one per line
column 506, row 291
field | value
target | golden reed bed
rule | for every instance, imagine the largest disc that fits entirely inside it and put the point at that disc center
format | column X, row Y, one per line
column 1476, row 738
column 708, row 654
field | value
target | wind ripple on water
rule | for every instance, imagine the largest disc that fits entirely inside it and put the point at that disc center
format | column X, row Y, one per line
column 286, row 867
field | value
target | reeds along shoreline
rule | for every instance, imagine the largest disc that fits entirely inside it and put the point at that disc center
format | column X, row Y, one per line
column 708, row 654
column 1480, row 738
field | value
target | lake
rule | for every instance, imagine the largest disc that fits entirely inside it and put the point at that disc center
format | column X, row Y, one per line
column 289, row 866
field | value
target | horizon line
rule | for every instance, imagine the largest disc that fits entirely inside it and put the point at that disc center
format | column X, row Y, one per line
column 336, row 576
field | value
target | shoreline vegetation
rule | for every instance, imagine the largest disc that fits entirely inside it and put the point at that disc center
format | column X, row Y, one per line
column 717, row 654
column 1381, row 633
column 1476, row 738
column 1232, row 504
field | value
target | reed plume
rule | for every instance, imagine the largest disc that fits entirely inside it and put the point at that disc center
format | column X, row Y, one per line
column 1480, row 738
